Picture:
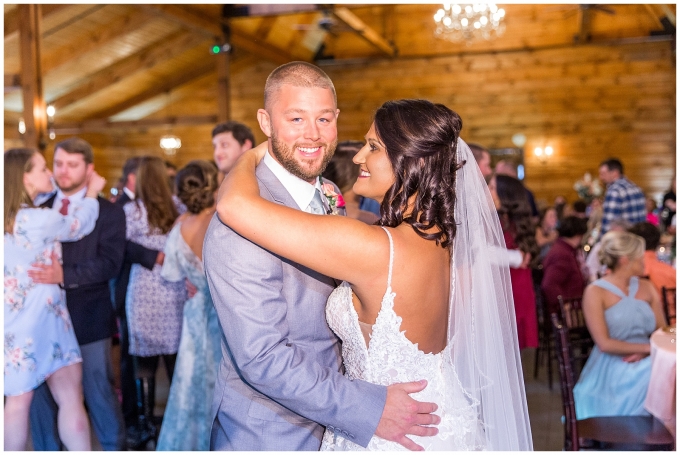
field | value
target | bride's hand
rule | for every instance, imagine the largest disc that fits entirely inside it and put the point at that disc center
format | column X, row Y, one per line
column 260, row 150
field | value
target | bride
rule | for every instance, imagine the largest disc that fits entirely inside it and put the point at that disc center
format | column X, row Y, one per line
column 421, row 297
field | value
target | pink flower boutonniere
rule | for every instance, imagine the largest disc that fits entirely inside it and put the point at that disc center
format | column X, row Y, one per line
column 335, row 201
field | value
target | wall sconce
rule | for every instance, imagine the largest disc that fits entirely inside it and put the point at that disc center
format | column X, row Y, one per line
column 22, row 126
column 170, row 143
column 543, row 154
column 50, row 110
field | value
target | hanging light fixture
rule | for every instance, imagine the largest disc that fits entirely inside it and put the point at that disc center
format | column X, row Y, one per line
column 169, row 142
column 468, row 23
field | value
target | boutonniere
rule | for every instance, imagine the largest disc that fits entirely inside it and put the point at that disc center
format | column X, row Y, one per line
column 335, row 201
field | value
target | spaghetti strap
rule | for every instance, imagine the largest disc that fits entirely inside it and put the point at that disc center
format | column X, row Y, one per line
column 389, row 273
column 609, row 287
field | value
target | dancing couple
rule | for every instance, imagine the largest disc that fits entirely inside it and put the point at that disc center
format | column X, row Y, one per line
column 429, row 356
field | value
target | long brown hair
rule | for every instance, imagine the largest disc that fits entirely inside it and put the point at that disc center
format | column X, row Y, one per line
column 421, row 142
column 18, row 161
column 152, row 190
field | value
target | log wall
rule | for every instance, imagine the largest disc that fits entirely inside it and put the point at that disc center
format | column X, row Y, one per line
column 588, row 102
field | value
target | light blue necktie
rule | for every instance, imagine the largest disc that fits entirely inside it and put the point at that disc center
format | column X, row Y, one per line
column 316, row 206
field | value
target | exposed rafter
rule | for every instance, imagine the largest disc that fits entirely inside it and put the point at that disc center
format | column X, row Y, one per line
column 156, row 52
column 12, row 82
column 366, row 32
column 12, row 17
column 118, row 27
column 105, row 125
column 213, row 28
column 176, row 80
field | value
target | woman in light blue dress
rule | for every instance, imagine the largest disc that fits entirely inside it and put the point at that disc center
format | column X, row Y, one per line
column 39, row 342
column 186, row 423
column 621, row 311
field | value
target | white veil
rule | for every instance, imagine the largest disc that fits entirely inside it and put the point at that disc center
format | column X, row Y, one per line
column 482, row 327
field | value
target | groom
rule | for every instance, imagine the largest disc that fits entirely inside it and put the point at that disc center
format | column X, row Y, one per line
column 280, row 382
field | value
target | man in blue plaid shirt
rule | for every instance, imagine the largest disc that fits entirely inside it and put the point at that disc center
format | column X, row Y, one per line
column 623, row 199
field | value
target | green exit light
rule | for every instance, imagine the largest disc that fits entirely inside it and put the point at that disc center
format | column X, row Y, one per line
column 216, row 49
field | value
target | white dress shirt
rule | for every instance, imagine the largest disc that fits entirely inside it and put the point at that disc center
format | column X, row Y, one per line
column 301, row 191
column 76, row 199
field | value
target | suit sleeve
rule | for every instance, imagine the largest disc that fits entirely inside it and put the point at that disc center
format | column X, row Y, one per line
column 138, row 254
column 110, row 252
column 246, row 283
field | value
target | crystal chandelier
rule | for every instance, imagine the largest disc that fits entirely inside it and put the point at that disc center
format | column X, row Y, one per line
column 469, row 22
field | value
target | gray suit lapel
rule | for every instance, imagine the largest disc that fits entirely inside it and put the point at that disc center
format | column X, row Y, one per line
column 274, row 187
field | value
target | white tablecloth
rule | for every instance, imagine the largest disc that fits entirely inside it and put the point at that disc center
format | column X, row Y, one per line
column 660, row 401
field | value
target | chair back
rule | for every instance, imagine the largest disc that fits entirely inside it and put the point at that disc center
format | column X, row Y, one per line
column 668, row 298
column 567, row 381
column 579, row 336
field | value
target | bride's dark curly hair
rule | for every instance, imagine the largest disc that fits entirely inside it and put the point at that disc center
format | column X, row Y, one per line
column 421, row 140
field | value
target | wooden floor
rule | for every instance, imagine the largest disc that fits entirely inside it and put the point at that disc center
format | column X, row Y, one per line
column 545, row 406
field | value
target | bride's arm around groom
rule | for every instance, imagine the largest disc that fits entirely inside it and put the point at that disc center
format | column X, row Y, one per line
column 280, row 383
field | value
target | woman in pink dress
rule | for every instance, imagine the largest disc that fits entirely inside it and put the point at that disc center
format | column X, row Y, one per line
column 514, row 212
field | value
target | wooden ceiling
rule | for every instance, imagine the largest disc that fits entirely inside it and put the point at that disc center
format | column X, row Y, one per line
column 101, row 64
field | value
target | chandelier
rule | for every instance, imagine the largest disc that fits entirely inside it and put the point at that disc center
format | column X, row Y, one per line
column 469, row 22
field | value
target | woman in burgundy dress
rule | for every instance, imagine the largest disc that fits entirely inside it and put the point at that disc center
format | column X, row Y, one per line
column 514, row 212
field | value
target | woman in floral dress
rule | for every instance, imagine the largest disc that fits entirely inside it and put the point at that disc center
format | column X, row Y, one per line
column 40, row 344
column 153, row 304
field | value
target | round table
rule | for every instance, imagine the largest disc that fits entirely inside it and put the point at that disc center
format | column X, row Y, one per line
column 660, row 400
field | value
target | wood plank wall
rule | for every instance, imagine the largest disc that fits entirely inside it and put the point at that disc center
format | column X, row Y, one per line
column 589, row 103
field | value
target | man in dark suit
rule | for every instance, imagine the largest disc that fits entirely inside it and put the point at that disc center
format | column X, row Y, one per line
column 88, row 265
column 134, row 254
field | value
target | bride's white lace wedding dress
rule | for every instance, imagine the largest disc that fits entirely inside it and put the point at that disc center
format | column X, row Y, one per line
column 391, row 358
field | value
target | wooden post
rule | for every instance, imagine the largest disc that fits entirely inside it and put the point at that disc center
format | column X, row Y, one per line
column 31, row 77
column 223, row 76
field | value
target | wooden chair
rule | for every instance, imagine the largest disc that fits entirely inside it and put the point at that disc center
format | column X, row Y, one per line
column 668, row 298
column 546, row 345
column 602, row 433
column 579, row 336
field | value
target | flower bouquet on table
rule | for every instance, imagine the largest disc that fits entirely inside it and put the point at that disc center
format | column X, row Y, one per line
column 588, row 188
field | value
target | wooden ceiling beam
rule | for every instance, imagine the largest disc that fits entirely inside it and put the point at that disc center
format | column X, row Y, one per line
column 366, row 32
column 12, row 17
column 175, row 80
column 164, row 49
column 120, row 26
column 668, row 12
column 12, row 82
column 105, row 125
column 29, row 17
column 213, row 28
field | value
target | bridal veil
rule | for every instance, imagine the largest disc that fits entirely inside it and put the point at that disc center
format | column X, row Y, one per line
column 482, row 330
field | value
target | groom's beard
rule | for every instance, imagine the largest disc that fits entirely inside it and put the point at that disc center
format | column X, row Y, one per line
column 310, row 170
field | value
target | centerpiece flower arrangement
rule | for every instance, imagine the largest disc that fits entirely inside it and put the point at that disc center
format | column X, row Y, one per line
column 588, row 188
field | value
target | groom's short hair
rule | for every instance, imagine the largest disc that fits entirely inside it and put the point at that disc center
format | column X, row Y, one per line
column 297, row 74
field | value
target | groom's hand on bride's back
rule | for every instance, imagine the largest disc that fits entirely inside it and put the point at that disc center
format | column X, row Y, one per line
column 403, row 415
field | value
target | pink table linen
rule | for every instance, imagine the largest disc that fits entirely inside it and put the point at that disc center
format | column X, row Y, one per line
column 660, row 400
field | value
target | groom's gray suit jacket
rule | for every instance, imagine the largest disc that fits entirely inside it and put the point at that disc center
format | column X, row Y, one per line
column 280, row 379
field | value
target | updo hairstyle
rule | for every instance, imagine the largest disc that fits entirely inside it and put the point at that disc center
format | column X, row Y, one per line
column 421, row 141
column 618, row 244
column 196, row 185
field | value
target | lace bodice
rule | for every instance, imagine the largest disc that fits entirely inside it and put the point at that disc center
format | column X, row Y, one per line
column 392, row 358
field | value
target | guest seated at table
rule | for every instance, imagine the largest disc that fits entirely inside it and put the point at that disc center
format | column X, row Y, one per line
column 563, row 268
column 659, row 273
column 621, row 312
